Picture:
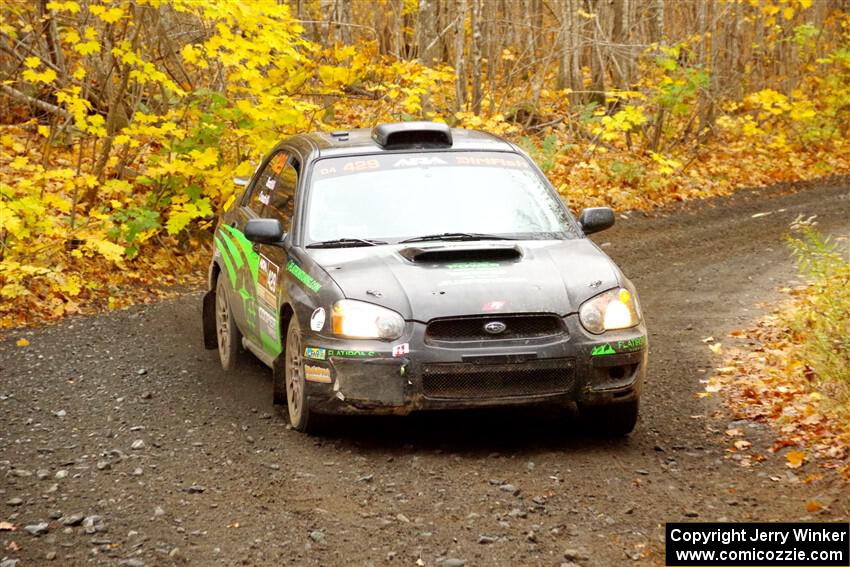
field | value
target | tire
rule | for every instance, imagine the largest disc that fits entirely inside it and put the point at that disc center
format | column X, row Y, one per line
column 297, row 403
column 227, row 334
column 611, row 420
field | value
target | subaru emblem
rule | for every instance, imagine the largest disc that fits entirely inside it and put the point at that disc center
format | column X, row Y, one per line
column 495, row 327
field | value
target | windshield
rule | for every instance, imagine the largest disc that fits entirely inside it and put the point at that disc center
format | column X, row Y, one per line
column 393, row 197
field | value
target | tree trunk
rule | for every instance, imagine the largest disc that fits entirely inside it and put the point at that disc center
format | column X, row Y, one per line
column 565, row 79
column 304, row 15
column 659, row 21
column 597, row 62
column 622, row 53
column 475, row 53
column 326, row 10
column 51, row 36
column 575, row 63
column 426, row 30
column 116, row 116
column 460, row 43
column 343, row 14
column 398, row 29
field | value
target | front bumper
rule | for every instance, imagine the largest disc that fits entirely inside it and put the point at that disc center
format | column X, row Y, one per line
column 347, row 376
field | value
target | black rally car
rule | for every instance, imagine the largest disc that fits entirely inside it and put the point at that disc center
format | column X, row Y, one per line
column 415, row 266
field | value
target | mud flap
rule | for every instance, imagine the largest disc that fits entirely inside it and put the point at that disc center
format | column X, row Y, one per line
column 279, row 380
column 208, row 318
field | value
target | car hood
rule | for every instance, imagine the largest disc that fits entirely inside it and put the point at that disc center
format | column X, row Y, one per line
column 423, row 281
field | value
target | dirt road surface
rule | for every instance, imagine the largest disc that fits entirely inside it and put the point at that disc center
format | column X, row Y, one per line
column 124, row 443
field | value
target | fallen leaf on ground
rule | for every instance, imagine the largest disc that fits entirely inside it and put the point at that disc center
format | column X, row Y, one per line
column 813, row 506
column 22, row 342
column 795, row 459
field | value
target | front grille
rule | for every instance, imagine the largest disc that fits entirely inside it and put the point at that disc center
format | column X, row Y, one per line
column 472, row 328
column 481, row 381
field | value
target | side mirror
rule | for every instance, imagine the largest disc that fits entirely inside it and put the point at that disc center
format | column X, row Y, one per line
column 241, row 181
column 265, row 231
column 596, row 219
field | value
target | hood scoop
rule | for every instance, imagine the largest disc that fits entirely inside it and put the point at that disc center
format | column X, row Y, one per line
column 448, row 254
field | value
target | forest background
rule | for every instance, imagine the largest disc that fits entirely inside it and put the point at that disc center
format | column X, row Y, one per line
column 124, row 122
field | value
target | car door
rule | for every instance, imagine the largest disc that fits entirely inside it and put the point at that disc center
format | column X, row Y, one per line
column 273, row 258
column 241, row 258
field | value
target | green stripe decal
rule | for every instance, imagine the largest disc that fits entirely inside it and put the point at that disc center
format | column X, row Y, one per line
column 270, row 345
column 231, row 273
column 303, row 276
column 246, row 246
column 231, row 247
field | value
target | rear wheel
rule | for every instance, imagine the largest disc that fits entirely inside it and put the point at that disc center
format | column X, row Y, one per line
column 297, row 404
column 611, row 420
column 226, row 331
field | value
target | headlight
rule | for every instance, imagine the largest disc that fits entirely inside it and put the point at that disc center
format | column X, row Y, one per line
column 614, row 309
column 361, row 320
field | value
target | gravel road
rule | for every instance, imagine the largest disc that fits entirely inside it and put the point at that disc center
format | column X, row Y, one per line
column 123, row 442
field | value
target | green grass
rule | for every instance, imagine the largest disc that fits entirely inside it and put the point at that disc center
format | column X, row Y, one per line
column 820, row 321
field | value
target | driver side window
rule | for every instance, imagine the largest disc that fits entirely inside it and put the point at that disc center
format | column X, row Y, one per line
column 282, row 203
column 265, row 183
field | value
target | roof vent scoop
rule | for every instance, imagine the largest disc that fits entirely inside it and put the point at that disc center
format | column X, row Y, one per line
column 413, row 135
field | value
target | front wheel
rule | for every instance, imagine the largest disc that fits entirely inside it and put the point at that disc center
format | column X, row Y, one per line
column 297, row 404
column 616, row 419
column 226, row 331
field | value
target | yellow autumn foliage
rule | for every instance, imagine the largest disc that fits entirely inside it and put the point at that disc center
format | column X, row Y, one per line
column 103, row 201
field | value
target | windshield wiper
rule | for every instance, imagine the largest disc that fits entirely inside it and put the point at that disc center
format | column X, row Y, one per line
column 456, row 236
column 345, row 243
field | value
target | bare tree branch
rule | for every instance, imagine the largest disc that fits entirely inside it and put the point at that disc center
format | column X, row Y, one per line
column 46, row 106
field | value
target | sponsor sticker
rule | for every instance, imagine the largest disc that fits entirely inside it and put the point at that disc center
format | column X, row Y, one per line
column 278, row 162
column 268, row 322
column 267, row 272
column 317, row 320
column 401, row 350
column 472, row 265
column 317, row 374
column 351, row 166
column 491, row 161
column 303, row 276
column 414, row 161
column 630, row 345
column 493, row 306
column 352, row 353
column 271, row 182
column 322, row 353
column 264, row 197
column 600, row 350
column 315, row 353
column 468, row 279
